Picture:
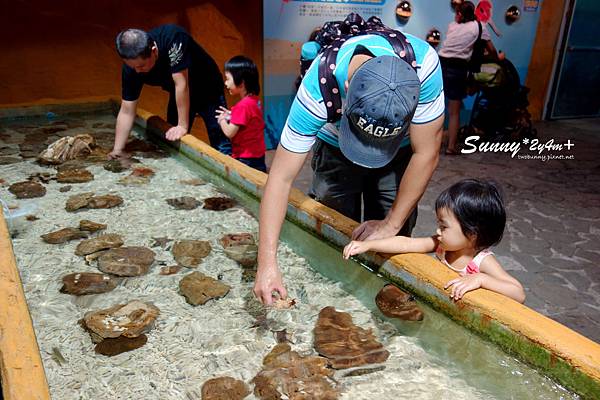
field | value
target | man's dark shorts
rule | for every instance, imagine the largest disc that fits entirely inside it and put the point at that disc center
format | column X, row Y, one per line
column 344, row 186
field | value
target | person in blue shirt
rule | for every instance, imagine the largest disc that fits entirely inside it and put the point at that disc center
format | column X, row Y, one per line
column 379, row 156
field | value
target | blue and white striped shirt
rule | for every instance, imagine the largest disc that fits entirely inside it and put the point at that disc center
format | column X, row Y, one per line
column 307, row 119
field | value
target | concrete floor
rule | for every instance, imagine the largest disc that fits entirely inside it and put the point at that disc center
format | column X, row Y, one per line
column 552, row 240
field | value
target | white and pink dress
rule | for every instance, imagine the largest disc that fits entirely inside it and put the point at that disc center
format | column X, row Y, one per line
column 471, row 268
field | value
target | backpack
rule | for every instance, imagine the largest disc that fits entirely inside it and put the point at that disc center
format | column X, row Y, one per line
column 332, row 36
column 478, row 51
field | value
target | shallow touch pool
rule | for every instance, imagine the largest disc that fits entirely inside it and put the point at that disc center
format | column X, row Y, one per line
column 432, row 359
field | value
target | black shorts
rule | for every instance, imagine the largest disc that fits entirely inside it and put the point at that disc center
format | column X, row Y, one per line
column 357, row 192
column 454, row 73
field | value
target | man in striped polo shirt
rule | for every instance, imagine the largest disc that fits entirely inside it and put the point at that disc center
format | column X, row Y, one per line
column 376, row 160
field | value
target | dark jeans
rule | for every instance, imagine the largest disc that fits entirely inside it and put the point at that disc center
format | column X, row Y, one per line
column 215, row 135
column 255, row 162
column 346, row 187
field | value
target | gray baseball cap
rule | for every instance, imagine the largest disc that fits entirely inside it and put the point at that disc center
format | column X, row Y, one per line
column 381, row 101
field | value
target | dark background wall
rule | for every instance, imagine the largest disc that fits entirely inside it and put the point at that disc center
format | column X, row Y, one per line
column 65, row 49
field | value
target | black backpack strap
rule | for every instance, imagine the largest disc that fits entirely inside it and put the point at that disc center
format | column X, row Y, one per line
column 480, row 30
column 328, row 83
column 399, row 43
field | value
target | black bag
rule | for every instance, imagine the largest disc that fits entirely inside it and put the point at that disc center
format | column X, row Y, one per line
column 333, row 35
column 478, row 52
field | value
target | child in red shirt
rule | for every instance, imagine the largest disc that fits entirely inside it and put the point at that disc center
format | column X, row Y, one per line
column 244, row 124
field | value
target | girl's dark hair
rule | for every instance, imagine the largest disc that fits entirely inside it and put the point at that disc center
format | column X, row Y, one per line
column 134, row 43
column 466, row 11
column 479, row 209
column 243, row 69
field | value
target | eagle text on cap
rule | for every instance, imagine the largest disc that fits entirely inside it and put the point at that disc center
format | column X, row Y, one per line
column 376, row 130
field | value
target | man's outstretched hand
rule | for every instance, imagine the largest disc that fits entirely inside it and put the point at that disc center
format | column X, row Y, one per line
column 268, row 282
column 118, row 155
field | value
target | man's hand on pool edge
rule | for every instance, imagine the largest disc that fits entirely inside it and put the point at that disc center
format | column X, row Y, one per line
column 268, row 280
column 176, row 133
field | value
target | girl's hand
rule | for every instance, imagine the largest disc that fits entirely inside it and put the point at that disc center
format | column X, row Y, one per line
column 464, row 284
column 355, row 247
column 223, row 114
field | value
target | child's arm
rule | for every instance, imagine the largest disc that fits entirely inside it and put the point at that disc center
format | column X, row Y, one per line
column 492, row 277
column 229, row 129
column 394, row 244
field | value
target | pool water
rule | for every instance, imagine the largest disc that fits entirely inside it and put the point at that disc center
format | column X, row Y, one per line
column 432, row 359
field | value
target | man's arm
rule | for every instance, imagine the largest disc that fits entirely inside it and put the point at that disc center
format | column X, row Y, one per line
column 425, row 140
column 273, row 206
column 182, row 98
column 125, row 120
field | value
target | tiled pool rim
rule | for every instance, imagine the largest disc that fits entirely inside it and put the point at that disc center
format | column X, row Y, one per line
column 555, row 350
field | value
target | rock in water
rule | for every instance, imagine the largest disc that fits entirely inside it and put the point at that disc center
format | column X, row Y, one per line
column 128, row 320
column 27, row 190
column 284, row 304
column 41, row 177
column 193, row 182
column 103, row 125
column 112, row 347
column 395, row 303
column 64, row 235
column 88, row 200
column 93, row 256
column 81, row 283
column 224, row 388
column 9, row 160
column 240, row 247
column 133, row 180
column 102, row 242
column 78, row 201
column 105, row 201
column 218, row 203
column 189, row 253
column 170, row 270
column 87, row 225
column 198, row 288
column 160, row 241
column 115, row 166
column 286, row 373
column 72, row 164
column 67, row 148
column 184, row 203
column 74, row 176
column 126, row 261
column 345, row 344
column 143, row 171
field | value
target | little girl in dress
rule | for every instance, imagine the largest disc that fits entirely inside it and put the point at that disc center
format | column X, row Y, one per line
column 471, row 218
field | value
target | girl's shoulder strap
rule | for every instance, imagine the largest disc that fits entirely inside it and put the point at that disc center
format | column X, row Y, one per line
column 481, row 255
column 475, row 263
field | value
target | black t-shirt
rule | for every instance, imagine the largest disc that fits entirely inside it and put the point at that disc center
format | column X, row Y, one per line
column 177, row 51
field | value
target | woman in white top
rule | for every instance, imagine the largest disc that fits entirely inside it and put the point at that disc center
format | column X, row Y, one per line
column 455, row 54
